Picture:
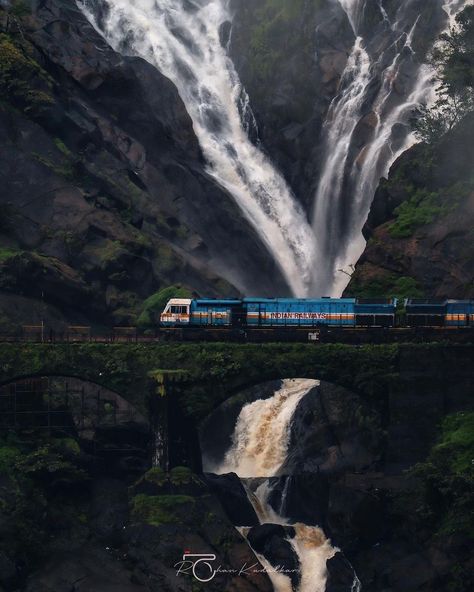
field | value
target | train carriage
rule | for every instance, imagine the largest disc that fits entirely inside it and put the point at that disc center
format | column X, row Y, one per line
column 439, row 313
column 278, row 312
column 294, row 312
column 460, row 313
column 375, row 312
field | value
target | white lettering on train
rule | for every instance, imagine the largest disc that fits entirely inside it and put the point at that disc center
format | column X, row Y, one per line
column 298, row 315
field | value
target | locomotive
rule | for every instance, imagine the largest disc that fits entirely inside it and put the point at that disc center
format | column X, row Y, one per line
column 287, row 313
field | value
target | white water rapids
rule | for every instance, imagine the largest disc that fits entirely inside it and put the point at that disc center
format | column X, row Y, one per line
column 182, row 38
column 259, row 448
column 351, row 171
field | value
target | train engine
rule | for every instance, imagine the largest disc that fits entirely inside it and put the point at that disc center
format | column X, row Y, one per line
column 279, row 313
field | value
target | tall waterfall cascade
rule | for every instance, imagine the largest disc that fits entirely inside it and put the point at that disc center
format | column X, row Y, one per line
column 352, row 169
column 384, row 82
column 259, row 448
column 182, row 39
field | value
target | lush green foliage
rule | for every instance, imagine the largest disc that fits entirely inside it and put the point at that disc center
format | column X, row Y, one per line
column 423, row 207
column 447, row 478
column 213, row 370
column 453, row 58
column 272, row 36
column 23, row 82
column 159, row 509
column 390, row 285
column 34, row 470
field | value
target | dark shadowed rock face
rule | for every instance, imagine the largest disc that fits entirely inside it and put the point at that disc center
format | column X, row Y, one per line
column 332, row 430
column 301, row 497
column 271, row 541
column 233, row 497
column 105, row 197
column 423, row 213
column 299, row 52
column 341, row 575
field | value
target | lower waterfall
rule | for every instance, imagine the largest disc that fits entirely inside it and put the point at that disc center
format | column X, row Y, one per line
column 259, row 448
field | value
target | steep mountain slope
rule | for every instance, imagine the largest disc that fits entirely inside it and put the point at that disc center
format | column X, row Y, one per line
column 105, row 198
column 290, row 57
column 420, row 229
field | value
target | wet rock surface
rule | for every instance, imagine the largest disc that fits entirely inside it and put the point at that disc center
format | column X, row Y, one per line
column 300, row 54
column 423, row 213
column 105, row 196
column 233, row 497
column 90, row 526
column 271, row 541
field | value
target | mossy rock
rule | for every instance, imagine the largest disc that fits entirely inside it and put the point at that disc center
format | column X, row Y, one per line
column 157, row 510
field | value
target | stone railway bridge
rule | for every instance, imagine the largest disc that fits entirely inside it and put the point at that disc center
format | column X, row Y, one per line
column 177, row 385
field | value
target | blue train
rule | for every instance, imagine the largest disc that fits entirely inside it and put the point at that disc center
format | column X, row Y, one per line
column 318, row 312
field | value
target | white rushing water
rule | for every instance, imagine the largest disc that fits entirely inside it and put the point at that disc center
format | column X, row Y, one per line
column 351, row 172
column 182, row 39
column 383, row 83
column 259, row 449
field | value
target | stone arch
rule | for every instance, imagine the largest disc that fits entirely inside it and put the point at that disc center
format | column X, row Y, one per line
column 98, row 417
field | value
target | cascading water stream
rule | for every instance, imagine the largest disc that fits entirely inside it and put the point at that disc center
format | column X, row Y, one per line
column 352, row 170
column 259, row 448
column 182, row 38
column 383, row 83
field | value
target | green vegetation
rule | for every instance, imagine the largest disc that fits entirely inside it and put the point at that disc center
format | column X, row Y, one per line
column 7, row 253
column 277, row 29
column 159, row 509
column 19, row 8
column 67, row 169
column 23, row 83
column 182, row 476
column 213, row 370
column 61, row 146
column 453, row 58
column 444, row 497
column 34, row 470
column 154, row 305
column 389, row 285
column 422, row 208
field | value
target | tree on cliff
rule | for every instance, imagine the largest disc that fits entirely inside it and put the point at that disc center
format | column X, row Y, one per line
column 453, row 58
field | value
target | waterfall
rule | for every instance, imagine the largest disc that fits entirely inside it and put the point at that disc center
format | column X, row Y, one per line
column 259, row 448
column 367, row 126
column 352, row 169
column 182, row 38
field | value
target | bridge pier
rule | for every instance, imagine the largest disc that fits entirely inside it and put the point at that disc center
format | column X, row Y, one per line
column 175, row 437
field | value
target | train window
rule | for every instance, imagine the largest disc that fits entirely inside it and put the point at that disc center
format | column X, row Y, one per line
column 179, row 310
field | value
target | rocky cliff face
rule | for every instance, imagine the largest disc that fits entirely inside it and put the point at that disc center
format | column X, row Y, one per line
column 105, row 197
column 290, row 57
column 421, row 226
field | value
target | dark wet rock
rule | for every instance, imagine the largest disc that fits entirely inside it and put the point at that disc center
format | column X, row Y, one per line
column 356, row 518
column 302, row 497
column 89, row 569
column 8, row 570
column 233, row 497
column 105, row 196
column 444, row 239
column 274, row 48
column 333, row 430
column 341, row 575
column 270, row 540
column 109, row 509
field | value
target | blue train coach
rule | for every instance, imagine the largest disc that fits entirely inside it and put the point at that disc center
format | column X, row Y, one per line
column 279, row 312
column 439, row 313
